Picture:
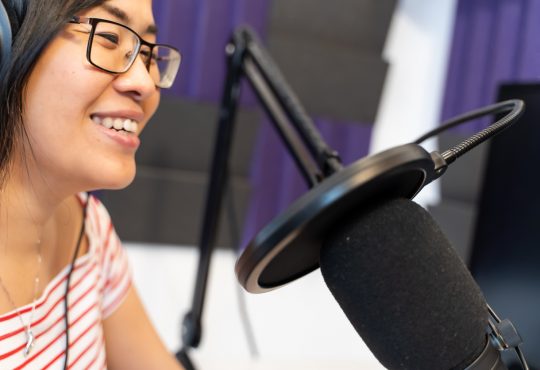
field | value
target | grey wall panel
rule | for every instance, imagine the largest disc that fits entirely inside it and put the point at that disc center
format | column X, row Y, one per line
column 181, row 136
column 166, row 206
column 463, row 180
column 331, row 53
column 332, row 81
column 359, row 24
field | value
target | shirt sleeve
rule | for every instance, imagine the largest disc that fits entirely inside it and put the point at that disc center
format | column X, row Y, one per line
column 116, row 276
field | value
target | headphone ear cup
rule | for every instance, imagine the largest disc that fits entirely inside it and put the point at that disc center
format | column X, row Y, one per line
column 5, row 35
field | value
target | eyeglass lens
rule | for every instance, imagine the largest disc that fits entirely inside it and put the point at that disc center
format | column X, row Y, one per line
column 114, row 49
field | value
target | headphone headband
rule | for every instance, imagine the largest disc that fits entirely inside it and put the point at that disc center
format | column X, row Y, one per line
column 5, row 33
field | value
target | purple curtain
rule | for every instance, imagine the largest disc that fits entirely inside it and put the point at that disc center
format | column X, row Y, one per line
column 495, row 41
column 201, row 29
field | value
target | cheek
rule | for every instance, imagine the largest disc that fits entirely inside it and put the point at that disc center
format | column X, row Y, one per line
column 54, row 106
column 60, row 86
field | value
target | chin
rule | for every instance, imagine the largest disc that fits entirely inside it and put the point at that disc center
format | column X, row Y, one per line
column 116, row 180
column 120, row 183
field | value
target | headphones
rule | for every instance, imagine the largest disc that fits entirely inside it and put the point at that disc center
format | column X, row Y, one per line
column 5, row 34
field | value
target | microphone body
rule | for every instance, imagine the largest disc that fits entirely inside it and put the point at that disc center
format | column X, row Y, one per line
column 406, row 291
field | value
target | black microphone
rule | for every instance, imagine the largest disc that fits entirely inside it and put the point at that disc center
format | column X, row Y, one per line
column 406, row 291
column 394, row 273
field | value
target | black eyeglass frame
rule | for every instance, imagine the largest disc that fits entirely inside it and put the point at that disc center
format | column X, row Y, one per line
column 142, row 42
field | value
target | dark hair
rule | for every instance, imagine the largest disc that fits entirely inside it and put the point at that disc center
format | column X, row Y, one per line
column 34, row 24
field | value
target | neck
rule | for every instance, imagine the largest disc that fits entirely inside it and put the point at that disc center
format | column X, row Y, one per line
column 31, row 211
column 28, row 212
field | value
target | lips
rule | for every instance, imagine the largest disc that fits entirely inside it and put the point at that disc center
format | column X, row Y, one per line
column 120, row 127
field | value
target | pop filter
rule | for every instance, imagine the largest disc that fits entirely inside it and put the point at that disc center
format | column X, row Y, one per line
column 288, row 247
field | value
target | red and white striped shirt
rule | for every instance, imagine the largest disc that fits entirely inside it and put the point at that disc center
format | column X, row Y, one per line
column 99, row 282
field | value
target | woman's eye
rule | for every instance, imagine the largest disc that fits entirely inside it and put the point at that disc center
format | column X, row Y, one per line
column 82, row 31
column 110, row 37
column 146, row 55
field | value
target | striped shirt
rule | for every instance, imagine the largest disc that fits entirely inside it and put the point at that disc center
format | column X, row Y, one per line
column 99, row 282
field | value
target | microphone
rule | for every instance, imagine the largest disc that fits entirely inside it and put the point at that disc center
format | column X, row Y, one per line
column 391, row 269
column 406, row 291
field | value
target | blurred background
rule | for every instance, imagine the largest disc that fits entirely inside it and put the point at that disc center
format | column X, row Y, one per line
column 372, row 74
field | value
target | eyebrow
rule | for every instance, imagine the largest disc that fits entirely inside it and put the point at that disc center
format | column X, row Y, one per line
column 122, row 15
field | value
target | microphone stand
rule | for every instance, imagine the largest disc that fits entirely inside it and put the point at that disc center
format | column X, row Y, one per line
column 246, row 57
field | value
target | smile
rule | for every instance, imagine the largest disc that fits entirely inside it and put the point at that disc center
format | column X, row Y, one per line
column 117, row 123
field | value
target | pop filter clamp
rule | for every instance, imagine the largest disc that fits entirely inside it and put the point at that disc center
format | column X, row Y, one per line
column 288, row 247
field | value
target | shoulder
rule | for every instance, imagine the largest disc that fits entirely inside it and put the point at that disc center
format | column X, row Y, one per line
column 99, row 226
column 94, row 206
column 95, row 210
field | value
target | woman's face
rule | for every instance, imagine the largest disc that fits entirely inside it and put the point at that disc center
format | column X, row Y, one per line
column 67, row 98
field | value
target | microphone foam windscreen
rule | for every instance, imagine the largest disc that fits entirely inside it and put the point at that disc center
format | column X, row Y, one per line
column 404, row 289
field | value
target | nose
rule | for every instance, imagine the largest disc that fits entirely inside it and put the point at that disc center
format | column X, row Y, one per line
column 136, row 82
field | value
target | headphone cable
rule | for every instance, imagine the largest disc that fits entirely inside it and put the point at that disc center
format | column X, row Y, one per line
column 70, row 272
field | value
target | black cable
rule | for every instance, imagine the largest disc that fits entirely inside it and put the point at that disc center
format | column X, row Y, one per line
column 71, row 266
column 185, row 361
column 234, row 228
column 246, row 321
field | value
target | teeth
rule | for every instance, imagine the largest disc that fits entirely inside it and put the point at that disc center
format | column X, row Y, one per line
column 118, row 124
column 107, row 122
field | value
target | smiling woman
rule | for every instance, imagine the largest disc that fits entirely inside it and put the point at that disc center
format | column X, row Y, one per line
column 79, row 81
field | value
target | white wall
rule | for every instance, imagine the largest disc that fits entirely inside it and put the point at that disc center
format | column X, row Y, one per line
column 417, row 50
column 299, row 326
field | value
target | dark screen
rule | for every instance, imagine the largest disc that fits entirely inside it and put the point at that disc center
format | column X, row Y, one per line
column 506, row 253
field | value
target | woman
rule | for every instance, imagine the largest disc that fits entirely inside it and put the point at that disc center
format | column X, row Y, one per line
column 78, row 86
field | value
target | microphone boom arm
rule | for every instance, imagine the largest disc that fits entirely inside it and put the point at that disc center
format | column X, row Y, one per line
column 315, row 159
column 271, row 88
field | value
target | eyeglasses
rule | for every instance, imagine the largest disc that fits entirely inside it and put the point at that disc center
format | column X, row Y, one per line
column 113, row 47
